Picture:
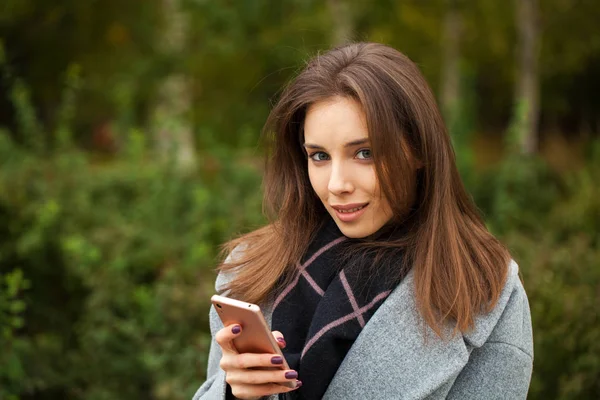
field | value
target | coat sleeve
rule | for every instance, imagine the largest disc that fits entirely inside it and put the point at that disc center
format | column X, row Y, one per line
column 501, row 367
column 214, row 388
column 494, row 371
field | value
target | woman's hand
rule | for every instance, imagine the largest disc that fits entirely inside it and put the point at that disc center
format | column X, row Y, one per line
column 249, row 383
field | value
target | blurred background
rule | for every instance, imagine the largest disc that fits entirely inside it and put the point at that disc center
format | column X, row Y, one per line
column 128, row 154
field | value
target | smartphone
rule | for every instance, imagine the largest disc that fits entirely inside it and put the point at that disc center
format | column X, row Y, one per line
column 256, row 336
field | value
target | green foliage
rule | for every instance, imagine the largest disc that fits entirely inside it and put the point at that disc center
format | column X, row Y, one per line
column 106, row 269
column 116, row 260
column 66, row 112
column 460, row 120
column 551, row 224
column 119, row 260
column 12, row 309
column 106, row 266
column 238, row 55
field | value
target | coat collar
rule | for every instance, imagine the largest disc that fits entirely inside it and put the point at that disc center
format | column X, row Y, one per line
column 396, row 354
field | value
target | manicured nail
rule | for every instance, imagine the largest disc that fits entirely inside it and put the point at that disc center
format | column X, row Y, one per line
column 291, row 375
column 236, row 329
column 298, row 384
column 281, row 340
column 277, row 360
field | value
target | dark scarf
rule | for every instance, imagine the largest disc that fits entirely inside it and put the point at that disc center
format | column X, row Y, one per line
column 326, row 305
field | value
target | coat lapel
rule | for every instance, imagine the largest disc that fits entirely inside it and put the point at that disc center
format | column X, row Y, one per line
column 391, row 358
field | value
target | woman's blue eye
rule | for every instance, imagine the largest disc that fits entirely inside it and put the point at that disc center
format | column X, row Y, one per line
column 319, row 156
column 364, row 154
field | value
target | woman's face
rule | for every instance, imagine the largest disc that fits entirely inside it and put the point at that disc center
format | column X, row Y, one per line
column 341, row 167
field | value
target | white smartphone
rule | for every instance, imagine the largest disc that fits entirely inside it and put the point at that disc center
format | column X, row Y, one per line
column 256, row 336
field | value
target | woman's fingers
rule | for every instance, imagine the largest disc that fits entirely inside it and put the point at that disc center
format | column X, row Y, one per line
column 246, row 381
column 225, row 337
column 279, row 338
column 250, row 360
column 260, row 377
column 253, row 391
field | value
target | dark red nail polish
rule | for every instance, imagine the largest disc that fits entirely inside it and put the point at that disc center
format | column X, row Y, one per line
column 236, row 329
column 277, row 360
column 291, row 375
column 298, row 384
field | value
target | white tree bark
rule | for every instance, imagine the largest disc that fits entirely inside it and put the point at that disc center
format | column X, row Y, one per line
column 341, row 15
column 450, row 74
column 527, row 85
column 171, row 122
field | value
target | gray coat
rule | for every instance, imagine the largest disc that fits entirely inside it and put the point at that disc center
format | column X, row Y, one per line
column 390, row 359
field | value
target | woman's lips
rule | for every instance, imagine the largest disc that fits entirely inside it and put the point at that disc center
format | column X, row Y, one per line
column 345, row 215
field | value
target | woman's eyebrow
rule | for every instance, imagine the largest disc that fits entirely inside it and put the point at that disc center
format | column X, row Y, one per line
column 353, row 143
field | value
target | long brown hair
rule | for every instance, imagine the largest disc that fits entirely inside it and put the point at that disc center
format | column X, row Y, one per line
column 459, row 267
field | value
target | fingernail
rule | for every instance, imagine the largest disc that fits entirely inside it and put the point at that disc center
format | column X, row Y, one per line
column 298, row 384
column 281, row 340
column 236, row 329
column 291, row 375
column 277, row 360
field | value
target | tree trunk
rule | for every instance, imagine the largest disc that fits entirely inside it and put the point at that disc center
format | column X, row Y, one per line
column 527, row 86
column 341, row 15
column 450, row 90
column 171, row 122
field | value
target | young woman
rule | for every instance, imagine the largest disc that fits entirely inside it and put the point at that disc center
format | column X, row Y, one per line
column 376, row 272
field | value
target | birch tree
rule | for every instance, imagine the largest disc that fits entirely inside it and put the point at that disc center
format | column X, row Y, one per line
column 341, row 15
column 450, row 88
column 171, row 122
column 525, row 119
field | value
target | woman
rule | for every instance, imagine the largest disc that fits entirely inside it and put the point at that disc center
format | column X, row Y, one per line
column 377, row 274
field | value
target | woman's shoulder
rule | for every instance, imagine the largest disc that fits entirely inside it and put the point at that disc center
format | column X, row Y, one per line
column 509, row 322
column 224, row 278
column 258, row 238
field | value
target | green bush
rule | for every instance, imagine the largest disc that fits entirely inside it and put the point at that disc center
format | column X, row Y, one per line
column 551, row 224
column 106, row 267
column 107, row 271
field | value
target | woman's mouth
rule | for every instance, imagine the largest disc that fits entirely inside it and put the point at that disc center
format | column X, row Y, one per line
column 349, row 212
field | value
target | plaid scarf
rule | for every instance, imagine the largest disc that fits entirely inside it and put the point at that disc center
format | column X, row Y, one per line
column 326, row 305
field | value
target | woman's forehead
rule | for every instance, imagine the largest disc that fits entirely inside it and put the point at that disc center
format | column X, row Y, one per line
column 339, row 121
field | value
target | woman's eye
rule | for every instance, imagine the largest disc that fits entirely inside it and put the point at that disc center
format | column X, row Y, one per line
column 319, row 156
column 364, row 154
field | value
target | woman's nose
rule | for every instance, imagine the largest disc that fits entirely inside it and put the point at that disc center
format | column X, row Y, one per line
column 340, row 180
